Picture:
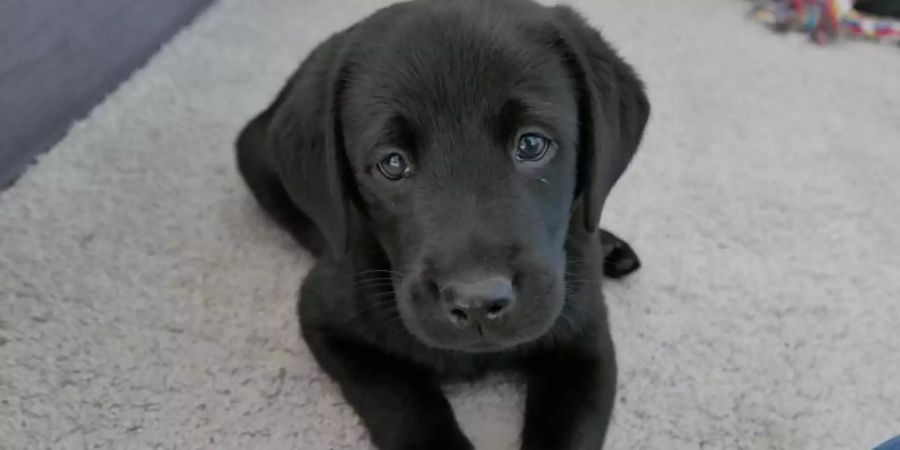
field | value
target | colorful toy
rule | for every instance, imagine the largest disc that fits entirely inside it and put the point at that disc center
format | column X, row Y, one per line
column 870, row 27
column 825, row 20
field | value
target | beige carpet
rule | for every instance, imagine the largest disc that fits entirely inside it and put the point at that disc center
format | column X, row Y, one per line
column 145, row 302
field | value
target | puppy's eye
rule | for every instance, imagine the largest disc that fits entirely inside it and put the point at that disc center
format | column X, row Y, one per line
column 532, row 147
column 394, row 167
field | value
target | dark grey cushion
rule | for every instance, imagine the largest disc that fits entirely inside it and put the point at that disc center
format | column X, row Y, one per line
column 60, row 58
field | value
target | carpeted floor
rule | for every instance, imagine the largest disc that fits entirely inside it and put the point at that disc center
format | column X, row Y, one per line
column 145, row 303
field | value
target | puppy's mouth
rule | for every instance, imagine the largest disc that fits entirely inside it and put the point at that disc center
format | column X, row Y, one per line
column 476, row 345
column 483, row 347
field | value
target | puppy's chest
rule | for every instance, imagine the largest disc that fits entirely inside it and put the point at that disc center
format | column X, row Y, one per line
column 452, row 366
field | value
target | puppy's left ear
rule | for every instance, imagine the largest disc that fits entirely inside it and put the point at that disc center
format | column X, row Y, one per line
column 306, row 141
column 613, row 110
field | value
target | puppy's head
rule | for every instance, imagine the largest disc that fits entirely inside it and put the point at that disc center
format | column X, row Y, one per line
column 464, row 135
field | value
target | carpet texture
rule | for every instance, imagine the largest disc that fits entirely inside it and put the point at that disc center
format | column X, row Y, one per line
column 146, row 303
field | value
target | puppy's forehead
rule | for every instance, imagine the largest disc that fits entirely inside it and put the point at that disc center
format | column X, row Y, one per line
column 446, row 72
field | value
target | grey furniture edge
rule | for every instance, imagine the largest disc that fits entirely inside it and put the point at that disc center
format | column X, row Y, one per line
column 60, row 59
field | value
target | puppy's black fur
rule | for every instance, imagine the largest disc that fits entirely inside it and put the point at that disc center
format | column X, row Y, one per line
column 474, row 258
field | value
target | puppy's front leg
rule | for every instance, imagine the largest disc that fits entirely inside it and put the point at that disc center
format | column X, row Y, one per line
column 400, row 404
column 570, row 399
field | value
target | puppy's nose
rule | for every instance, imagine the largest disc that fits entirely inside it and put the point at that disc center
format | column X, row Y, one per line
column 483, row 300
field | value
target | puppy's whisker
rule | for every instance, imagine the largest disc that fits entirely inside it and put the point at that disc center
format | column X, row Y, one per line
column 375, row 281
column 576, row 260
column 374, row 288
column 578, row 264
column 378, row 270
column 392, row 272
column 580, row 277
column 375, row 292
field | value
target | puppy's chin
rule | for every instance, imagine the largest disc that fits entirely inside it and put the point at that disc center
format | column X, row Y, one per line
column 471, row 345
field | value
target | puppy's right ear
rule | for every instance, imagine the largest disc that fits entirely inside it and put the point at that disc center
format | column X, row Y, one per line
column 306, row 141
column 613, row 110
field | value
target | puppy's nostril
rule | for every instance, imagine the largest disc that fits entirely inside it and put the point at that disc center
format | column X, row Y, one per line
column 496, row 308
column 458, row 315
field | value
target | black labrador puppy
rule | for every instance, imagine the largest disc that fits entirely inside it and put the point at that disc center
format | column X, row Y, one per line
column 448, row 161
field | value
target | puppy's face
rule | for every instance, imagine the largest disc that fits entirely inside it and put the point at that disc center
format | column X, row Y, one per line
column 463, row 151
column 449, row 129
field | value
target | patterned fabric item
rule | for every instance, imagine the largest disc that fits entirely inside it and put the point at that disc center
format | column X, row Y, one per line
column 825, row 20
